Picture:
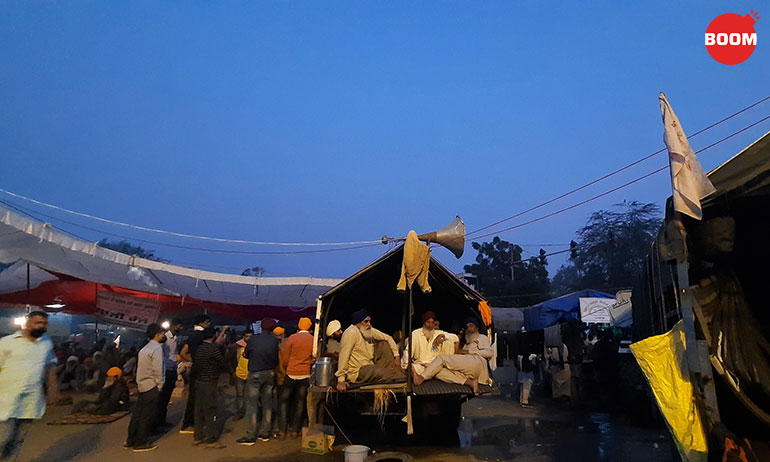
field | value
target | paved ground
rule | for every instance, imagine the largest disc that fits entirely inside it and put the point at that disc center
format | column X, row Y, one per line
column 493, row 429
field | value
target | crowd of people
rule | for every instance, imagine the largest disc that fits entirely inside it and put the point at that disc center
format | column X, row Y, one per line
column 269, row 372
column 564, row 374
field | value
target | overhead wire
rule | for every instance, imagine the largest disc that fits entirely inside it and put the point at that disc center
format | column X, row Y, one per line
column 184, row 235
column 372, row 242
column 629, row 183
column 615, row 172
column 246, row 252
column 353, row 245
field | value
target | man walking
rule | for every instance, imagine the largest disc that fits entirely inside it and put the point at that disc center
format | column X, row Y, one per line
column 26, row 358
column 170, row 363
column 149, row 381
column 296, row 357
column 209, row 363
column 262, row 353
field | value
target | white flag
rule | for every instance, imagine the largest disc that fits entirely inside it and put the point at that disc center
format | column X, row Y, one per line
column 689, row 183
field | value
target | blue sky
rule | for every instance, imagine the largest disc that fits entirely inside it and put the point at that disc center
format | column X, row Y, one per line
column 332, row 121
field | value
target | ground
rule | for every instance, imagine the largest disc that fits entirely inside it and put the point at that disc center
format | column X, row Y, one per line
column 493, row 429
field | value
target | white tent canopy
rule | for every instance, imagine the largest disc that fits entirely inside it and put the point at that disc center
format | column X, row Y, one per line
column 39, row 244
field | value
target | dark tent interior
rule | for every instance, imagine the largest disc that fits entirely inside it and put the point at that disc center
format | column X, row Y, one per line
column 374, row 288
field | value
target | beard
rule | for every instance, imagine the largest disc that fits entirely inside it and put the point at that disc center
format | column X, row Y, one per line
column 37, row 333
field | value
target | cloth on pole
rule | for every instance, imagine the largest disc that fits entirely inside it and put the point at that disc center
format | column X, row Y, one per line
column 662, row 360
column 689, row 183
column 486, row 313
column 416, row 264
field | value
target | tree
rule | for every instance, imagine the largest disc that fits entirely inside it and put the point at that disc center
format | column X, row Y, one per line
column 507, row 279
column 610, row 249
column 130, row 249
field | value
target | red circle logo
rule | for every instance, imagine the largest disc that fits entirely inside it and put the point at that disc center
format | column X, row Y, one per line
column 731, row 38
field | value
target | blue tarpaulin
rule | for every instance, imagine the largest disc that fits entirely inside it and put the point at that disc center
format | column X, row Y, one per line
column 556, row 310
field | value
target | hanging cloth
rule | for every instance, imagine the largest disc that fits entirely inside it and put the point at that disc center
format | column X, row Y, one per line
column 416, row 264
column 486, row 312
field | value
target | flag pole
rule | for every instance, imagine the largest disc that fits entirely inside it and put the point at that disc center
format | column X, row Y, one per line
column 689, row 184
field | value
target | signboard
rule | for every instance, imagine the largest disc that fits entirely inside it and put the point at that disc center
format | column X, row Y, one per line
column 126, row 310
column 621, row 311
column 597, row 310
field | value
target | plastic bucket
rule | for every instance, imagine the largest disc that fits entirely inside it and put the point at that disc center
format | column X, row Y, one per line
column 356, row 453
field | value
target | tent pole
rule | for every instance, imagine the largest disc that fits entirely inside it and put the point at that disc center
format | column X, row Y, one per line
column 410, row 312
column 317, row 327
column 409, row 377
column 696, row 350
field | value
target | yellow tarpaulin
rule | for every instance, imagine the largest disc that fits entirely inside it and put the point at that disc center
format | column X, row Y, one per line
column 663, row 362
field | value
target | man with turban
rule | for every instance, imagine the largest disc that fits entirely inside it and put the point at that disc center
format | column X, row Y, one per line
column 427, row 343
column 113, row 397
column 333, row 336
column 295, row 359
column 470, row 366
column 365, row 357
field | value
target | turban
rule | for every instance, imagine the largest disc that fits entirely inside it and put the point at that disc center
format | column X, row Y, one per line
column 304, row 323
column 279, row 330
column 114, row 372
column 359, row 316
column 471, row 320
column 427, row 315
column 333, row 327
column 72, row 359
column 268, row 324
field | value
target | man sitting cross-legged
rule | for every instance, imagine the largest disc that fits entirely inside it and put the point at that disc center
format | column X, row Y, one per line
column 468, row 367
column 428, row 342
column 365, row 357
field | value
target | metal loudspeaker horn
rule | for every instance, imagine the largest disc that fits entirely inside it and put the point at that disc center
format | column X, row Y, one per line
column 451, row 236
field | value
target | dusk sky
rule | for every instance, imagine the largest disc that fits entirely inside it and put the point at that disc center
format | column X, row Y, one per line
column 344, row 121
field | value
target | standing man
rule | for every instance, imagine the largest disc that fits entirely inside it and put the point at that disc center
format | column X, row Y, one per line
column 208, row 364
column 26, row 359
column 149, row 381
column 262, row 353
column 526, row 375
column 296, row 357
column 241, row 375
column 194, row 340
column 170, row 352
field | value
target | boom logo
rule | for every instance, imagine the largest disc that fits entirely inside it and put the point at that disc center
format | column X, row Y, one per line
column 731, row 38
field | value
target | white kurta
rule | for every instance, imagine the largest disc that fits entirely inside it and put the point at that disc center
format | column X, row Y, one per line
column 357, row 350
column 422, row 348
column 458, row 368
column 22, row 367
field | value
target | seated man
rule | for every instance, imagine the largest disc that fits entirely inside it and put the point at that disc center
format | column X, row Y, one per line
column 72, row 375
column 333, row 336
column 365, row 357
column 427, row 343
column 114, row 396
column 468, row 367
column 451, row 342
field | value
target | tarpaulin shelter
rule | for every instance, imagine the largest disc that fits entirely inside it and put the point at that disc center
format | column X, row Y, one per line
column 557, row 310
column 374, row 288
column 40, row 264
